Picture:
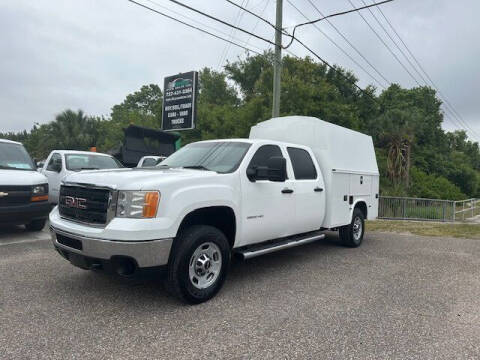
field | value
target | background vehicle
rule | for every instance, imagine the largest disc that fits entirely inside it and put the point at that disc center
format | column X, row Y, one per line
column 214, row 198
column 63, row 162
column 148, row 161
column 40, row 165
column 140, row 141
column 23, row 191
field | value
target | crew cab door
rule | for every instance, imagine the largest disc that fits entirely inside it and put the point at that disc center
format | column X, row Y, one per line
column 309, row 191
column 268, row 207
column 54, row 172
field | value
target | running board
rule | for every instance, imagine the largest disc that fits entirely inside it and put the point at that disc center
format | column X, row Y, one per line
column 277, row 246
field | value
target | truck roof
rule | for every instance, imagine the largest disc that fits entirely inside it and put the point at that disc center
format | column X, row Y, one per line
column 10, row 141
column 256, row 141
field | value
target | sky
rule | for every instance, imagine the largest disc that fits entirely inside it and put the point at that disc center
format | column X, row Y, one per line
column 89, row 54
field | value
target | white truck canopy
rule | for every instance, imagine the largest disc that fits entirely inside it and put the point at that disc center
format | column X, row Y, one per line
column 346, row 159
column 335, row 147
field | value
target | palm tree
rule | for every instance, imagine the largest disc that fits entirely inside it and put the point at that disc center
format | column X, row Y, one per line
column 397, row 136
column 73, row 131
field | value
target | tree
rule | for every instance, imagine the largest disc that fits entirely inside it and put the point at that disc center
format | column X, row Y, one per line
column 415, row 155
column 147, row 101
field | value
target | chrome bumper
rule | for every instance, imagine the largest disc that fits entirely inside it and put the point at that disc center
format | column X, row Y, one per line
column 146, row 253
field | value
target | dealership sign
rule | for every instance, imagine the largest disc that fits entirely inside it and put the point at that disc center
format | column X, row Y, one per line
column 179, row 100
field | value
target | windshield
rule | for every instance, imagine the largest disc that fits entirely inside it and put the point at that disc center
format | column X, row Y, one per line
column 14, row 156
column 219, row 156
column 78, row 162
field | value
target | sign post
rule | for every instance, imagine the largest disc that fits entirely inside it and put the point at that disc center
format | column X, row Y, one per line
column 179, row 101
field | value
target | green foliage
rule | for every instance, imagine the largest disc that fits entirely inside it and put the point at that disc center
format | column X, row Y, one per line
column 433, row 187
column 416, row 156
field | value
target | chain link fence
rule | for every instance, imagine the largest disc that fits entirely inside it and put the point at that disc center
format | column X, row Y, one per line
column 406, row 208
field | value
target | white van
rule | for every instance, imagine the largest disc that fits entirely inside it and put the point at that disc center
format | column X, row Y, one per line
column 23, row 191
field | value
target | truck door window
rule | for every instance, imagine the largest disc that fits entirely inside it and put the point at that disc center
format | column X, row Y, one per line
column 56, row 158
column 262, row 155
column 302, row 164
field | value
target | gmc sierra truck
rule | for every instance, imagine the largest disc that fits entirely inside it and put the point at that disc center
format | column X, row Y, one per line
column 293, row 178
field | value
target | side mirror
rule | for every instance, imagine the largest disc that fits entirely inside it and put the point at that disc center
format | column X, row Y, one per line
column 257, row 173
column 277, row 169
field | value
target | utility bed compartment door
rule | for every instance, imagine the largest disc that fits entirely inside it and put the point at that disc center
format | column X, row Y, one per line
column 360, row 185
column 339, row 208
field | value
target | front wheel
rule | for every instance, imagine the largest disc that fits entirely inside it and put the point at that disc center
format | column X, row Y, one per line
column 351, row 235
column 199, row 263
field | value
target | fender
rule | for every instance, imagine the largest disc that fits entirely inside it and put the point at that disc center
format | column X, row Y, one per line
column 180, row 203
column 358, row 200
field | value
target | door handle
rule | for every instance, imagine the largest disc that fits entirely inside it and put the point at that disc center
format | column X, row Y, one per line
column 287, row 191
column 318, row 189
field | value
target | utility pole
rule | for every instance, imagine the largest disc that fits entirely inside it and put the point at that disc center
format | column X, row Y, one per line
column 277, row 64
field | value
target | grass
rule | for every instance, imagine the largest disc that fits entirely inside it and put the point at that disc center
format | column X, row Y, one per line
column 459, row 230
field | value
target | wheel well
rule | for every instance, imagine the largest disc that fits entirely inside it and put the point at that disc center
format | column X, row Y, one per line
column 221, row 217
column 363, row 208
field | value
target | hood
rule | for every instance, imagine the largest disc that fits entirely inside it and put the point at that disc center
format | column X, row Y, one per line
column 21, row 177
column 135, row 178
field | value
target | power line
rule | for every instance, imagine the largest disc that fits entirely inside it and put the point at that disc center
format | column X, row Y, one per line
column 338, row 46
column 193, row 26
column 248, row 32
column 246, row 48
column 304, row 45
column 385, row 44
column 448, row 106
column 458, row 121
column 350, row 43
column 198, row 22
column 335, row 69
column 267, row 2
column 394, row 42
column 222, row 21
column 332, row 15
column 259, row 17
column 405, row 56
column 237, row 22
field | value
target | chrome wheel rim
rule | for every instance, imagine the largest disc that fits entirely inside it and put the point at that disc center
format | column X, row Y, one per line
column 357, row 228
column 205, row 265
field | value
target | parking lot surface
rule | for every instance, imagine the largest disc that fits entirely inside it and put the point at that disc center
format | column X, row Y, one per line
column 395, row 297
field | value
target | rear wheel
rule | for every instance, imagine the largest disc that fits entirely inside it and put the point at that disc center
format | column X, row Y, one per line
column 199, row 264
column 351, row 235
column 36, row 225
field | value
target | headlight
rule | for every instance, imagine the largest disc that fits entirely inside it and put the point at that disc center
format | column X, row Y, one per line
column 137, row 204
column 40, row 189
column 40, row 192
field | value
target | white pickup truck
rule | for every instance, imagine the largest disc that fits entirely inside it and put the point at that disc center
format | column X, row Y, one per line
column 60, row 163
column 293, row 178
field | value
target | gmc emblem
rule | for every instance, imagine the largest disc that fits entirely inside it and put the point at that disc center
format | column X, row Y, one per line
column 73, row 202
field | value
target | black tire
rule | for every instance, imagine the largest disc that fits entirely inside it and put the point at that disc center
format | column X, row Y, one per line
column 349, row 235
column 36, row 225
column 187, row 244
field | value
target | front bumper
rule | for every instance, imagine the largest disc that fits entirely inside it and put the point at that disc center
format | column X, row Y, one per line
column 150, row 253
column 23, row 214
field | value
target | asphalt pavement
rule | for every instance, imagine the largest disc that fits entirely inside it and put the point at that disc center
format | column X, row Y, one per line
column 395, row 297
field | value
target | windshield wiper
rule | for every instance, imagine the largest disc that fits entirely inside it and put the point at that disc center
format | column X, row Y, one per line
column 196, row 167
column 89, row 168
